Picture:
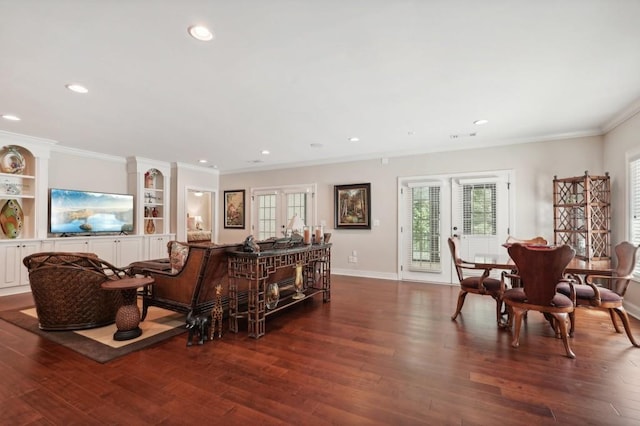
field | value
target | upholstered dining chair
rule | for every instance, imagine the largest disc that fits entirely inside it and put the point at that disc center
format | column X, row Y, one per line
column 539, row 271
column 477, row 284
column 608, row 293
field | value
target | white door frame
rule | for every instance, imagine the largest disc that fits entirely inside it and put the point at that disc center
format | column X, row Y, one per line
column 447, row 275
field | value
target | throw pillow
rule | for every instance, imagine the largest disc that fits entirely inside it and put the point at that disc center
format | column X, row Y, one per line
column 178, row 256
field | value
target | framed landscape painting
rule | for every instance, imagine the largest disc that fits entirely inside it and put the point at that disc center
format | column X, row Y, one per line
column 353, row 206
column 234, row 209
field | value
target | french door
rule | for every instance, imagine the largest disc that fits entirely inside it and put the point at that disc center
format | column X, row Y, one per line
column 273, row 208
column 476, row 208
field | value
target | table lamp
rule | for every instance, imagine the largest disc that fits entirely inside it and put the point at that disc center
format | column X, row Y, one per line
column 198, row 222
column 295, row 224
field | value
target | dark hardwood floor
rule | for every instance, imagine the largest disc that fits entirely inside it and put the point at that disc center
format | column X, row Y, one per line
column 382, row 352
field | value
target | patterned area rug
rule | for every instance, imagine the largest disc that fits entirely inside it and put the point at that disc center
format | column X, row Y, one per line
column 98, row 343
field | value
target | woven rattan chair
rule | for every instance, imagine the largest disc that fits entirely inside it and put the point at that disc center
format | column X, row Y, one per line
column 67, row 290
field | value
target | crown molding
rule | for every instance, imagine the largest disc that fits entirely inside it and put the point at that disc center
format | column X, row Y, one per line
column 17, row 138
column 622, row 116
column 88, row 154
column 201, row 169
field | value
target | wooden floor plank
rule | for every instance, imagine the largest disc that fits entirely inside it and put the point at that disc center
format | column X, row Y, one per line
column 382, row 352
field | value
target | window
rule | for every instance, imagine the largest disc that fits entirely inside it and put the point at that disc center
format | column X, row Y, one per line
column 634, row 200
column 273, row 207
column 266, row 216
column 479, row 209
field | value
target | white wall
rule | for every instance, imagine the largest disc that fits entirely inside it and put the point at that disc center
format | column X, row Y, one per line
column 87, row 171
column 620, row 142
column 534, row 165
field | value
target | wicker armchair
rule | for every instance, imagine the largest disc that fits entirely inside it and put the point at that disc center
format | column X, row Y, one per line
column 67, row 291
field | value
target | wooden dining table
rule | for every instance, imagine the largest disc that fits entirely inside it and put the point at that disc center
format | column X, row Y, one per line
column 577, row 266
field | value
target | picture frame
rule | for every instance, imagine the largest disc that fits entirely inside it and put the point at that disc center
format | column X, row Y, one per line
column 234, row 209
column 352, row 205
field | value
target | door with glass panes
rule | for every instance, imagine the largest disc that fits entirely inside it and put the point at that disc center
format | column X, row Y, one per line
column 273, row 208
column 474, row 208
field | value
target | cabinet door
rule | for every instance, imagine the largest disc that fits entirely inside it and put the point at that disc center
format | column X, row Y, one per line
column 118, row 251
column 10, row 265
column 106, row 249
column 26, row 249
column 12, row 271
column 74, row 245
column 157, row 247
column 128, row 250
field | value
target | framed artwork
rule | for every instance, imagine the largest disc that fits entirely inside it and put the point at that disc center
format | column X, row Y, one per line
column 234, row 209
column 353, row 206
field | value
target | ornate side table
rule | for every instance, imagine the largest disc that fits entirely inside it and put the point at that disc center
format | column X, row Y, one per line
column 128, row 315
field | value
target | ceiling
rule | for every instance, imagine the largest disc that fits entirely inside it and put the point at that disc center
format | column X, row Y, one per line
column 299, row 78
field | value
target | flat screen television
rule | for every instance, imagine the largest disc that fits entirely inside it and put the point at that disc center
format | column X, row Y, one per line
column 85, row 212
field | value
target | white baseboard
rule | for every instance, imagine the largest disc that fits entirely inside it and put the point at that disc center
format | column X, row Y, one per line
column 633, row 310
column 365, row 274
column 14, row 290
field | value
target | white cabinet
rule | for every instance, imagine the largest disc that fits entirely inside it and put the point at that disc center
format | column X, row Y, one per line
column 117, row 250
column 77, row 245
column 157, row 246
column 13, row 274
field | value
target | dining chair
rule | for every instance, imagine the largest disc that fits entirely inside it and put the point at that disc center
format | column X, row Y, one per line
column 608, row 293
column 539, row 271
column 534, row 240
column 475, row 284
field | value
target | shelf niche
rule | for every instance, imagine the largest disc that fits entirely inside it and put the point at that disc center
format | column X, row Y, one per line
column 149, row 181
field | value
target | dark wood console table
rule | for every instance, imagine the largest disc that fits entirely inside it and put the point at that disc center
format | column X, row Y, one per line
column 258, row 270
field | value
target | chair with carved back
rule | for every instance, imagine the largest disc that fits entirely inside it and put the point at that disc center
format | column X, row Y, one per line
column 534, row 240
column 540, row 270
column 475, row 284
column 608, row 292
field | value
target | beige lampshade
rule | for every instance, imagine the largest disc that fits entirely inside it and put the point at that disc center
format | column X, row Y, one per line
column 296, row 224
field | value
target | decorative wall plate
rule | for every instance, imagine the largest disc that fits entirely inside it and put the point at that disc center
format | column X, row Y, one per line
column 11, row 219
column 272, row 296
column 11, row 161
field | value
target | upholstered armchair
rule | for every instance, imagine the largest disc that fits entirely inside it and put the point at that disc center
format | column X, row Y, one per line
column 67, row 290
column 188, row 286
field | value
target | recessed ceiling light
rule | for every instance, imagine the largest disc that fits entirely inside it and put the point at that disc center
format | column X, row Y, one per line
column 480, row 122
column 78, row 88
column 200, row 32
column 354, row 139
column 10, row 117
column 265, row 152
column 202, row 161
